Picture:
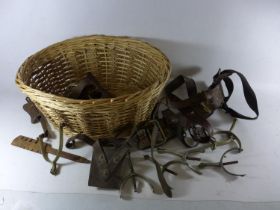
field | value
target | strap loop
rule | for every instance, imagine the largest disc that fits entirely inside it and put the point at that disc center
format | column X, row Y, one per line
column 54, row 169
column 249, row 93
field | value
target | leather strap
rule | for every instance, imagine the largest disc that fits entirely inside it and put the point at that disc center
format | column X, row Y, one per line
column 37, row 116
column 177, row 82
column 87, row 88
column 54, row 170
column 195, row 109
column 249, row 93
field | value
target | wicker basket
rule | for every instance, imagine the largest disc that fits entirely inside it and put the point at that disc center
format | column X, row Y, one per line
column 133, row 71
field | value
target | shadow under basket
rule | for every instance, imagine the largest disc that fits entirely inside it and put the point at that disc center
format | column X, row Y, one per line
column 132, row 71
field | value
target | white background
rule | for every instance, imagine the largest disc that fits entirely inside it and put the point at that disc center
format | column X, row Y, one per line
column 198, row 36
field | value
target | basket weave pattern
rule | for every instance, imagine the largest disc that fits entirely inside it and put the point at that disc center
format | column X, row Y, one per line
column 133, row 71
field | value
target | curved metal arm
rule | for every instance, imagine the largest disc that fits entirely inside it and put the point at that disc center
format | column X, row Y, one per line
column 133, row 176
column 159, row 167
column 223, row 165
column 166, row 165
column 183, row 160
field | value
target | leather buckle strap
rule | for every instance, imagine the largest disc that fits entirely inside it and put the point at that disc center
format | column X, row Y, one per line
column 201, row 104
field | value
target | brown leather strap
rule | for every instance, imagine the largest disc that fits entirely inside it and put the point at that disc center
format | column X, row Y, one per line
column 202, row 104
column 195, row 109
column 87, row 88
column 177, row 82
column 249, row 93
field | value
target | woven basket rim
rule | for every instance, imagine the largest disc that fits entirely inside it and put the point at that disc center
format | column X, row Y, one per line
column 101, row 101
